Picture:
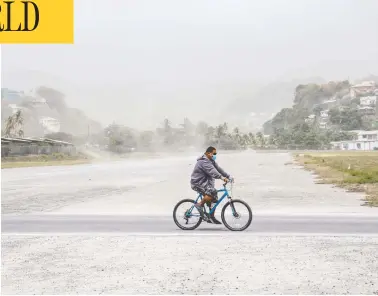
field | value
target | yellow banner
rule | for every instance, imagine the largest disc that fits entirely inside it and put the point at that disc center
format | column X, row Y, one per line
column 37, row 21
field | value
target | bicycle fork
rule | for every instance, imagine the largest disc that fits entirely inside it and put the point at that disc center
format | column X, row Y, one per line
column 234, row 213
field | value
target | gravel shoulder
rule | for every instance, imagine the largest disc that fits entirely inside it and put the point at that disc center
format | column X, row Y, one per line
column 189, row 265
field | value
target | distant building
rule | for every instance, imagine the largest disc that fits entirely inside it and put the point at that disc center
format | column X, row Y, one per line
column 323, row 123
column 310, row 118
column 50, row 125
column 368, row 101
column 366, row 140
column 367, row 135
column 363, row 89
column 324, row 113
column 38, row 101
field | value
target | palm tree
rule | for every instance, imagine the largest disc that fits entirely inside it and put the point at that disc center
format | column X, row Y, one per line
column 260, row 138
column 245, row 141
column 219, row 133
column 225, row 127
column 167, row 125
column 167, row 132
column 14, row 125
column 236, row 135
column 252, row 139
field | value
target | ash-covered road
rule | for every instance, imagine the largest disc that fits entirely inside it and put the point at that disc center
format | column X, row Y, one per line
column 107, row 228
column 76, row 224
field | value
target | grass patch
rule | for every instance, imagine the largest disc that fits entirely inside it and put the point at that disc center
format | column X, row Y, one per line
column 355, row 171
column 56, row 159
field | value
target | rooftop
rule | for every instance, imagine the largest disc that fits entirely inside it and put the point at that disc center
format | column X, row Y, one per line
column 6, row 140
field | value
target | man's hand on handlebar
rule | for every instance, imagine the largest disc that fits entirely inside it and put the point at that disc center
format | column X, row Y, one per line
column 227, row 180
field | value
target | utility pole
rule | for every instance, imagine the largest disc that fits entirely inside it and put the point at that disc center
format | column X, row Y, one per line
column 88, row 134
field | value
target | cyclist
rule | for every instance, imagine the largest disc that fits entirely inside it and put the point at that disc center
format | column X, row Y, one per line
column 203, row 178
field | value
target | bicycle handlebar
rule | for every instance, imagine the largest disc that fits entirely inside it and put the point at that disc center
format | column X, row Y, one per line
column 229, row 181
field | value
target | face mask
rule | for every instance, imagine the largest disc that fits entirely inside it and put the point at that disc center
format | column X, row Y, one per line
column 214, row 157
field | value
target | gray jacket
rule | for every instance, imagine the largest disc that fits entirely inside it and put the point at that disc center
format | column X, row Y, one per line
column 206, row 171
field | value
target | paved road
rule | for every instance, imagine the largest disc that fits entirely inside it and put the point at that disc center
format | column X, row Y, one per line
column 53, row 224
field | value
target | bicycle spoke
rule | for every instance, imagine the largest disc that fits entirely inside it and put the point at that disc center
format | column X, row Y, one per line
column 237, row 216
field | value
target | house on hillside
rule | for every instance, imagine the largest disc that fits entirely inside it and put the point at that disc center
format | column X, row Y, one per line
column 363, row 89
column 49, row 124
column 311, row 118
column 323, row 124
column 324, row 113
column 368, row 101
column 365, row 140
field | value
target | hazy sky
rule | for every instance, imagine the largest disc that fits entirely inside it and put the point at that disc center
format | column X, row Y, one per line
column 180, row 57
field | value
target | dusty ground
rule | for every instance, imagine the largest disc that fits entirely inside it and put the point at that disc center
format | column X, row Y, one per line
column 154, row 186
column 193, row 263
column 189, row 265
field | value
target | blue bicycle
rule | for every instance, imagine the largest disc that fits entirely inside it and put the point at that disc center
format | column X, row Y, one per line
column 234, row 210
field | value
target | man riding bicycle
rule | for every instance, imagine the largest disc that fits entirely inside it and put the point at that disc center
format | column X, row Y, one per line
column 203, row 178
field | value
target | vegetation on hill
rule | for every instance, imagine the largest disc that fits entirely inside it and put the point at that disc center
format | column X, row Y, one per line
column 47, row 102
column 320, row 113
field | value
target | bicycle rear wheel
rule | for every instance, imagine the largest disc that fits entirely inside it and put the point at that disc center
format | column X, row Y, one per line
column 236, row 210
column 186, row 216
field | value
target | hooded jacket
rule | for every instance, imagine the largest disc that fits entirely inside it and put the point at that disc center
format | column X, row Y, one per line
column 206, row 171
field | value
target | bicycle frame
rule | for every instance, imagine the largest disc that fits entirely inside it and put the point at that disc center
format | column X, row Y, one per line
column 225, row 194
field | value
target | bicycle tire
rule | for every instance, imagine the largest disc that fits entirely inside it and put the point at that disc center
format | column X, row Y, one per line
column 175, row 219
column 249, row 211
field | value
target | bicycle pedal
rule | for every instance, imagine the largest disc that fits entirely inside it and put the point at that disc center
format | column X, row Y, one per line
column 207, row 218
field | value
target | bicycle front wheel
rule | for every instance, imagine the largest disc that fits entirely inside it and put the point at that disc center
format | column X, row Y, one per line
column 186, row 216
column 236, row 215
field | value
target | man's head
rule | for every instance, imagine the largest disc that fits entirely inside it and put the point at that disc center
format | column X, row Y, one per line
column 211, row 153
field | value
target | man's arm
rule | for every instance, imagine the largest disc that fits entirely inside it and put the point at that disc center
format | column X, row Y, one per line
column 211, row 170
column 221, row 171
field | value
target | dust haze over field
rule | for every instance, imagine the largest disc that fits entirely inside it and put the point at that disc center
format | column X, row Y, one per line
column 138, row 62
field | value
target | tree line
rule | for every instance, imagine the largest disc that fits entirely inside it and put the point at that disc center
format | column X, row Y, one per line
column 120, row 139
column 185, row 135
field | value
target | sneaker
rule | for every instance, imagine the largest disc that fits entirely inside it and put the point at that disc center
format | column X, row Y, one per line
column 214, row 220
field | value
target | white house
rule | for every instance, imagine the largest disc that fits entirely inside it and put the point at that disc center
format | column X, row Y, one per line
column 324, row 113
column 365, row 87
column 50, row 125
column 323, row 124
column 310, row 118
column 368, row 100
column 366, row 140
column 367, row 135
column 38, row 100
